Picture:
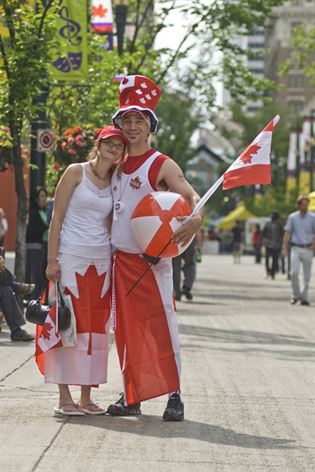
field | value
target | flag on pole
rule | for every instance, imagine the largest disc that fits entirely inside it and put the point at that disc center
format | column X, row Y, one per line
column 253, row 166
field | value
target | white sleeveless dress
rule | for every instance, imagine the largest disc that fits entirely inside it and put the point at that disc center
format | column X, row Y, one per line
column 85, row 260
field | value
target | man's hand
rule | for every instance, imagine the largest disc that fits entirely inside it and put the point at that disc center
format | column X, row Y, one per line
column 285, row 251
column 2, row 264
column 186, row 232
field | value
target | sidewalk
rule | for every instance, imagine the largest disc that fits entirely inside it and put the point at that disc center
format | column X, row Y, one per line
column 248, row 386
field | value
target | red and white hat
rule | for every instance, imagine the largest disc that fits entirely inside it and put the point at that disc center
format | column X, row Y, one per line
column 138, row 93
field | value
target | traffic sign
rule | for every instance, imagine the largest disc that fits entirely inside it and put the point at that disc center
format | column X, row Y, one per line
column 45, row 140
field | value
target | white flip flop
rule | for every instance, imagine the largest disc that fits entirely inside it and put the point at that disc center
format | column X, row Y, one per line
column 59, row 410
column 90, row 412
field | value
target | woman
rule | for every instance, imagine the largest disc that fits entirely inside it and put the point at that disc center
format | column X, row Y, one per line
column 257, row 243
column 36, row 239
column 79, row 256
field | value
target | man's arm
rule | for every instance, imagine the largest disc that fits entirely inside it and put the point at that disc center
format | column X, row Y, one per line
column 285, row 242
column 172, row 175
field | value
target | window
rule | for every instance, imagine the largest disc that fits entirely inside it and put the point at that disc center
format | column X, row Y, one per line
column 296, row 107
column 296, row 80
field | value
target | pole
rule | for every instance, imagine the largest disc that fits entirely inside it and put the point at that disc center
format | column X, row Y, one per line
column 312, row 152
column 120, row 17
column 37, row 175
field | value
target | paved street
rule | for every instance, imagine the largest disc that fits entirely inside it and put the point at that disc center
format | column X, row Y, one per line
column 248, row 384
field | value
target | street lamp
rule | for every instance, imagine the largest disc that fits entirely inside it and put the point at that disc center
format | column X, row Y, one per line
column 121, row 8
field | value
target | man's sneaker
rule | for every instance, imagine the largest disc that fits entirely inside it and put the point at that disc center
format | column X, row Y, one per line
column 187, row 293
column 120, row 409
column 21, row 335
column 174, row 410
column 305, row 303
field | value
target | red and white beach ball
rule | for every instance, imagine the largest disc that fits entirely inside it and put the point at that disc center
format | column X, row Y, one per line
column 154, row 221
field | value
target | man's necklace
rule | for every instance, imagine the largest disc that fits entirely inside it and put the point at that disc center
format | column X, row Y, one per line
column 93, row 169
column 119, row 206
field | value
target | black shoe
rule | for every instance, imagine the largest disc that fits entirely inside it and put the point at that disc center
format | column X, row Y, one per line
column 293, row 301
column 120, row 409
column 21, row 335
column 174, row 410
column 305, row 303
column 187, row 293
column 177, row 298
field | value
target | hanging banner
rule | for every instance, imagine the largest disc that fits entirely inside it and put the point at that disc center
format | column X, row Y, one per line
column 101, row 16
column 71, row 62
column 292, row 160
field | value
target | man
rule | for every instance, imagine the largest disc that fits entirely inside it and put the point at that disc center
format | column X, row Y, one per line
column 272, row 236
column 300, row 234
column 189, row 271
column 238, row 233
column 146, row 327
column 9, row 305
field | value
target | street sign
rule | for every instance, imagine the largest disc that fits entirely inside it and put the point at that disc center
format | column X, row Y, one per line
column 45, row 140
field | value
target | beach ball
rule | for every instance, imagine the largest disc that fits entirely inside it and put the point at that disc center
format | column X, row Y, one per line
column 153, row 223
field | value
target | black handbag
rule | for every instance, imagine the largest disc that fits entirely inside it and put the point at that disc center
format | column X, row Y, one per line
column 36, row 312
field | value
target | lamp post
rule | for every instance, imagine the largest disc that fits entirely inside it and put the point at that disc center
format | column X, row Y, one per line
column 38, row 159
column 121, row 8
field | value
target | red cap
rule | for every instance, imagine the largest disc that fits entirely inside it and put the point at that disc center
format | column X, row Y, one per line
column 109, row 131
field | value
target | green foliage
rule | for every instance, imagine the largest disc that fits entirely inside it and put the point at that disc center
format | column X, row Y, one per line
column 179, row 117
column 303, row 57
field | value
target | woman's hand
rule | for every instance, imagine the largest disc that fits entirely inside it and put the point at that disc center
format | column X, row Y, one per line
column 53, row 271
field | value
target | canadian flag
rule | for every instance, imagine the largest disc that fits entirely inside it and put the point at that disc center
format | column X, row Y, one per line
column 253, row 166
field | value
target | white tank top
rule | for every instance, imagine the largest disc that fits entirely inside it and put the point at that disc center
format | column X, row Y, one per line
column 84, row 230
column 128, row 190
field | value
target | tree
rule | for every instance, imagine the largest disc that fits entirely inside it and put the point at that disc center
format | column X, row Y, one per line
column 24, row 55
column 303, row 57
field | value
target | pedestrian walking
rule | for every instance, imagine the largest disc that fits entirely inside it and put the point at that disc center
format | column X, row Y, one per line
column 186, row 263
column 300, row 237
column 257, row 243
column 79, row 257
column 272, row 235
column 36, row 240
column 146, row 328
column 238, row 233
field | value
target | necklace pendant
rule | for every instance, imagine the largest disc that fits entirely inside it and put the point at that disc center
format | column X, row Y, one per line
column 119, row 207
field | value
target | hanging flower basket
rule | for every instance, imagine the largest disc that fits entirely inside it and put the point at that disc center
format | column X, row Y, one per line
column 75, row 145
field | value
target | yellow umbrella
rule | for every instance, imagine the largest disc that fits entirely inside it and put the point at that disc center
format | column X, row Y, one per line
column 312, row 201
column 240, row 213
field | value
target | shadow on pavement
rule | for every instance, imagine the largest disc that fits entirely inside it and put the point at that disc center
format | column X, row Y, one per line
column 244, row 336
column 148, row 425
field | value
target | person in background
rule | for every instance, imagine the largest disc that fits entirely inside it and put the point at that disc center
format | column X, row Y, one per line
column 9, row 305
column 257, row 243
column 272, row 236
column 36, row 240
column 3, row 227
column 185, row 262
column 300, row 235
column 237, row 233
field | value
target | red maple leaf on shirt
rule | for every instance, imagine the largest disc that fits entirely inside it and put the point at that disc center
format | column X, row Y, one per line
column 92, row 311
column 99, row 11
column 246, row 156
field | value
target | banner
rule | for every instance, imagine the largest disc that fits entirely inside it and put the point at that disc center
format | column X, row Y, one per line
column 101, row 16
column 292, row 161
column 71, row 62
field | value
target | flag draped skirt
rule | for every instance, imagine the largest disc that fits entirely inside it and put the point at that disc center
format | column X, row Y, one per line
column 145, row 327
column 87, row 281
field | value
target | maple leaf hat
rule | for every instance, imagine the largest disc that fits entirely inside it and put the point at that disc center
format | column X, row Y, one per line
column 138, row 93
